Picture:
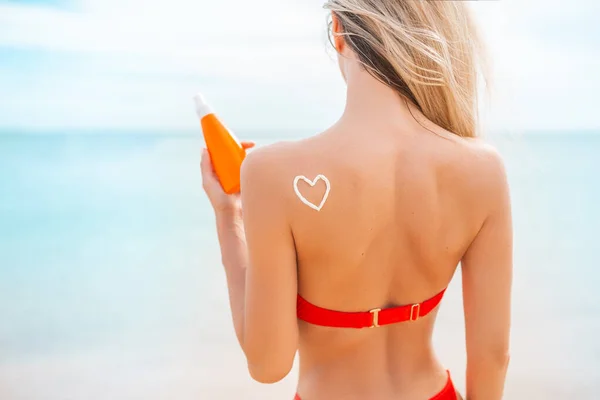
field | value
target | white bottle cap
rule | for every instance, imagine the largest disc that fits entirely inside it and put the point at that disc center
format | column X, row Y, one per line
column 202, row 108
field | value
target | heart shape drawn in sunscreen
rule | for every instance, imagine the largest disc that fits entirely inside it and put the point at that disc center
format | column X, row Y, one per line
column 312, row 184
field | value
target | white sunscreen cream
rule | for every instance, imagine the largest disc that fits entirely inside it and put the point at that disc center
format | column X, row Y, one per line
column 312, row 184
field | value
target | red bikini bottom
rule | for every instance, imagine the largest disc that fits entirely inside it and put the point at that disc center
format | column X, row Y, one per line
column 447, row 393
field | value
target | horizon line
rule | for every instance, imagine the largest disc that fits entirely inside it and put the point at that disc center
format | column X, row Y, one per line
column 189, row 132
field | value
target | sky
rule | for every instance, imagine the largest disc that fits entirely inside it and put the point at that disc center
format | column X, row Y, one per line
column 263, row 64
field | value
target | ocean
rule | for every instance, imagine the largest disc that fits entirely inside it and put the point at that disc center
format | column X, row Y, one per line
column 111, row 285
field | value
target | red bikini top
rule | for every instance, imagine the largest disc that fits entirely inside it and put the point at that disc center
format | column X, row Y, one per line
column 365, row 319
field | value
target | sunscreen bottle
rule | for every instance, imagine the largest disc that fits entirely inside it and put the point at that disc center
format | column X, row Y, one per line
column 226, row 152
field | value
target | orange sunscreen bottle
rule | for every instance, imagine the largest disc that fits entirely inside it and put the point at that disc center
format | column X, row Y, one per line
column 225, row 150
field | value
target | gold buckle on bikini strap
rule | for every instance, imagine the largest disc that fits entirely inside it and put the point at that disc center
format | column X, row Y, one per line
column 413, row 313
column 375, row 313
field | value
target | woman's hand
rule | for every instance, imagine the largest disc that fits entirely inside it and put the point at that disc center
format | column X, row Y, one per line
column 221, row 201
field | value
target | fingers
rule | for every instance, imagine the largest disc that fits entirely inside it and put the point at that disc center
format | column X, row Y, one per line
column 206, row 168
column 248, row 145
column 205, row 164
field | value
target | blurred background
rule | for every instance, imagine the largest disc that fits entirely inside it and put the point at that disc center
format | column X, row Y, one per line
column 110, row 279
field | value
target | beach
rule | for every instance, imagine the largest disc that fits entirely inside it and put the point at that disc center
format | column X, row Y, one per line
column 111, row 285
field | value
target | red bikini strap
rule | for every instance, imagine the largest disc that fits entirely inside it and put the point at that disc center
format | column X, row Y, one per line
column 365, row 319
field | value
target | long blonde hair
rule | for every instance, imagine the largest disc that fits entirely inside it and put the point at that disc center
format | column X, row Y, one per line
column 428, row 51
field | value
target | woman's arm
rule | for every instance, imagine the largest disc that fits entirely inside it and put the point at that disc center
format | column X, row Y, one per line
column 487, row 281
column 261, row 274
column 271, row 324
column 234, row 255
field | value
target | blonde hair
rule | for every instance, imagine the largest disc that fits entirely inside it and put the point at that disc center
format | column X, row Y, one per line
column 428, row 51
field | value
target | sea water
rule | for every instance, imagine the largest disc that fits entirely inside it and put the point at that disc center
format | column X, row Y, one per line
column 111, row 285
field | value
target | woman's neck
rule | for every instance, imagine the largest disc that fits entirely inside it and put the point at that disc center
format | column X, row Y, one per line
column 369, row 98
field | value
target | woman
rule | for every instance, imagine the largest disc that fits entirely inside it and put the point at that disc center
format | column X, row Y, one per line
column 363, row 225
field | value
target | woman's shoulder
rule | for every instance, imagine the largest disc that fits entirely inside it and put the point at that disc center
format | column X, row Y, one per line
column 485, row 159
column 268, row 166
column 483, row 167
column 285, row 154
column 270, row 156
column 270, row 152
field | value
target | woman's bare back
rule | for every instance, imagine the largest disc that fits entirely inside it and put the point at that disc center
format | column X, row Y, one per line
column 410, row 197
column 401, row 212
